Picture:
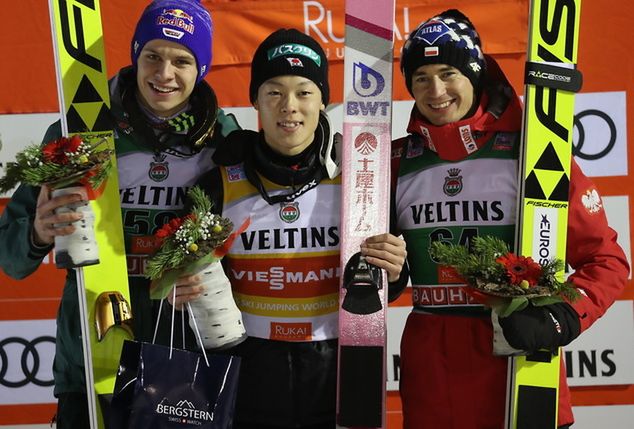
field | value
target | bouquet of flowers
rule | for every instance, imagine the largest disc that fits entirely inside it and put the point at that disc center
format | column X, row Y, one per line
column 77, row 164
column 188, row 243
column 502, row 280
column 76, row 160
column 194, row 244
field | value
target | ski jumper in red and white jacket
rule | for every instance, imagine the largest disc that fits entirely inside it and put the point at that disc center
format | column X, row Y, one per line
column 452, row 183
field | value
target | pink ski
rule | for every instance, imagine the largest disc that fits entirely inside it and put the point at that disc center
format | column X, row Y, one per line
column 361, row 378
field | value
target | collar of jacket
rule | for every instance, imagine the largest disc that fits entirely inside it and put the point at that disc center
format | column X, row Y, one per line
column 128, row 115
column 249, row 147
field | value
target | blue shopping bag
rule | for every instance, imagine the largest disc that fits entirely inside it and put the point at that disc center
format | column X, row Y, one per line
column 162, row 387
column 160, row 391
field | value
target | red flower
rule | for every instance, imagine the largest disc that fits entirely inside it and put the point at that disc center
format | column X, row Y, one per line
column 176, row 223
column 169, row 228
column 162, row 233
column 520, row 268
column 56, row 150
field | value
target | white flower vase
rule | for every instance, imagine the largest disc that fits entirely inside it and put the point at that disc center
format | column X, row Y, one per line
column 78, row 249
column 218, row 318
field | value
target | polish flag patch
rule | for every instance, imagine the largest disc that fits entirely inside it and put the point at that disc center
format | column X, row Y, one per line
column 432, row 51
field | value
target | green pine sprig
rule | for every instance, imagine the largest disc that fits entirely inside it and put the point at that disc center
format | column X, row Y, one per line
column 479, row 264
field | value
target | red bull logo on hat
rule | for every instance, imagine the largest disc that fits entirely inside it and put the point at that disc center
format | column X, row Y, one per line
column 179, row 13
column 176, row 18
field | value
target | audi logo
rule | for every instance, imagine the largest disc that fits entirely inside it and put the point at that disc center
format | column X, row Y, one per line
column 29, row 361
column 607, row 144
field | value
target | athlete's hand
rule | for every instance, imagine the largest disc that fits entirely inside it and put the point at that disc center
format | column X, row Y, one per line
column 386, row 251
column 188, row 288
column 546, row 327
column 47, row 224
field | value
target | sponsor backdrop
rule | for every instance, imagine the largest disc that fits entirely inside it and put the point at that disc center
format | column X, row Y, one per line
column 600, row 362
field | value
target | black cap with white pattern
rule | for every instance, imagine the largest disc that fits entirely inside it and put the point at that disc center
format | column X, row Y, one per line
column 448, row 38
column 289, row 52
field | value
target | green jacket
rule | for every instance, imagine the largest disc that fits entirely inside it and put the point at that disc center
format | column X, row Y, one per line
column 136, row 144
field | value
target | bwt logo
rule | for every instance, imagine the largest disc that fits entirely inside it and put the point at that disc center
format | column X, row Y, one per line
column 366, row 81
column 367, row 108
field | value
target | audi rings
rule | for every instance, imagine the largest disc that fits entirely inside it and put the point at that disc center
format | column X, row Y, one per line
column 577, row 149
column 30, row 367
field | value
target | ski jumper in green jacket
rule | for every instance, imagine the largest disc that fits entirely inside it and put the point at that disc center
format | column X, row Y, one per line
column 155, row 168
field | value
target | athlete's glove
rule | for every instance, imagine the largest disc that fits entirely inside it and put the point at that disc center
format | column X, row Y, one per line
column 545, row 327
